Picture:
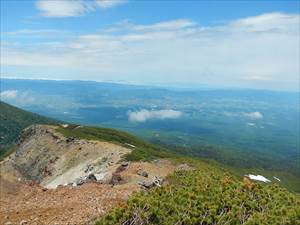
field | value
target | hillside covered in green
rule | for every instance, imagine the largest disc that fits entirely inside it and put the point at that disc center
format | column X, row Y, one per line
column 208, row 195
column 12, row 121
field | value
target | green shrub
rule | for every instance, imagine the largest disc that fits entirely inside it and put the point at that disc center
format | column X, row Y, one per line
column 208, row 196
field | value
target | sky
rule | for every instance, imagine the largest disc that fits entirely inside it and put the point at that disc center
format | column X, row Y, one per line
column 238, row 44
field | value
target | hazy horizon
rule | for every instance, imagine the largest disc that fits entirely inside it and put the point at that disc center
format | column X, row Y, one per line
column 200, row 44
column 179, row 86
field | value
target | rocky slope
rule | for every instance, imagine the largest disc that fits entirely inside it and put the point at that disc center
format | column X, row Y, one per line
column 47, row 157
column 67, row 180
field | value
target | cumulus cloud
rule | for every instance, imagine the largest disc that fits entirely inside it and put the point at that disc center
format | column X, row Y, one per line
column 254, row 115
column 144, row 115
column 259, row 51
column 109, row 3
column 17, row 97
column 58, row 8
column 71, row 8
column 9, row 94
column 251, row 115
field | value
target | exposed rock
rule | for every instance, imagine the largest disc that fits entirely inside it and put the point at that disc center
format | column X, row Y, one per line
column 79, row 182
column 122, row 167
column 91, row 178
column 88, row 168
column 157, row 181
column 147, row 184
column 8, row 223
column 124, row 164
column 23, row 222
column 142, row 173
column 70, row 139
column 116, row 179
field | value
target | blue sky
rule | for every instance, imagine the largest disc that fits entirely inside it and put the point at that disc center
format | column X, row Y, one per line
column 243, row 44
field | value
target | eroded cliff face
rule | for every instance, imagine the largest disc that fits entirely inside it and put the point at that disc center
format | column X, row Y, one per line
column 47, row 157
column 60, row 180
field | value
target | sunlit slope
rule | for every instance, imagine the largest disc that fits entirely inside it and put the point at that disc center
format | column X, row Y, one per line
column 12, row 121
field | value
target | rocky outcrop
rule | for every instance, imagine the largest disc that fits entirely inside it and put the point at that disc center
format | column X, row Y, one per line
column 45, row 156
column 142, row 173
column 156, row 181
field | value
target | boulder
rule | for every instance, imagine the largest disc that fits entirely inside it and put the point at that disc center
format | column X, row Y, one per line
column 70, row 139
column 91, row 178
column 157, row 181
column 116, row 179
column 122, row 167
column 147, row 184
column 142, row 173
column 79, row 182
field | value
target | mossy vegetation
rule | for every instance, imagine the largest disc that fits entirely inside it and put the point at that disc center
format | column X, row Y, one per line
column 208, row 196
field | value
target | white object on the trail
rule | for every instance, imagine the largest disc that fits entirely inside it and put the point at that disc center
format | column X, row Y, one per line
column 276, row 178
column 65, row 125
column 258, row 178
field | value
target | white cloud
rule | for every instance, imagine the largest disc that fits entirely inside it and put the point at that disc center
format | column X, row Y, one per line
column 258, row 78
column 267, row 22
column 109, row 3
column 18, row 97
column 59, row 8
column 166, row 25
column 9, row 94
column 251, row 115
column 36, row 32
column 260, row 51
column 144, row 115
column 71, row 8
column 254, row 115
